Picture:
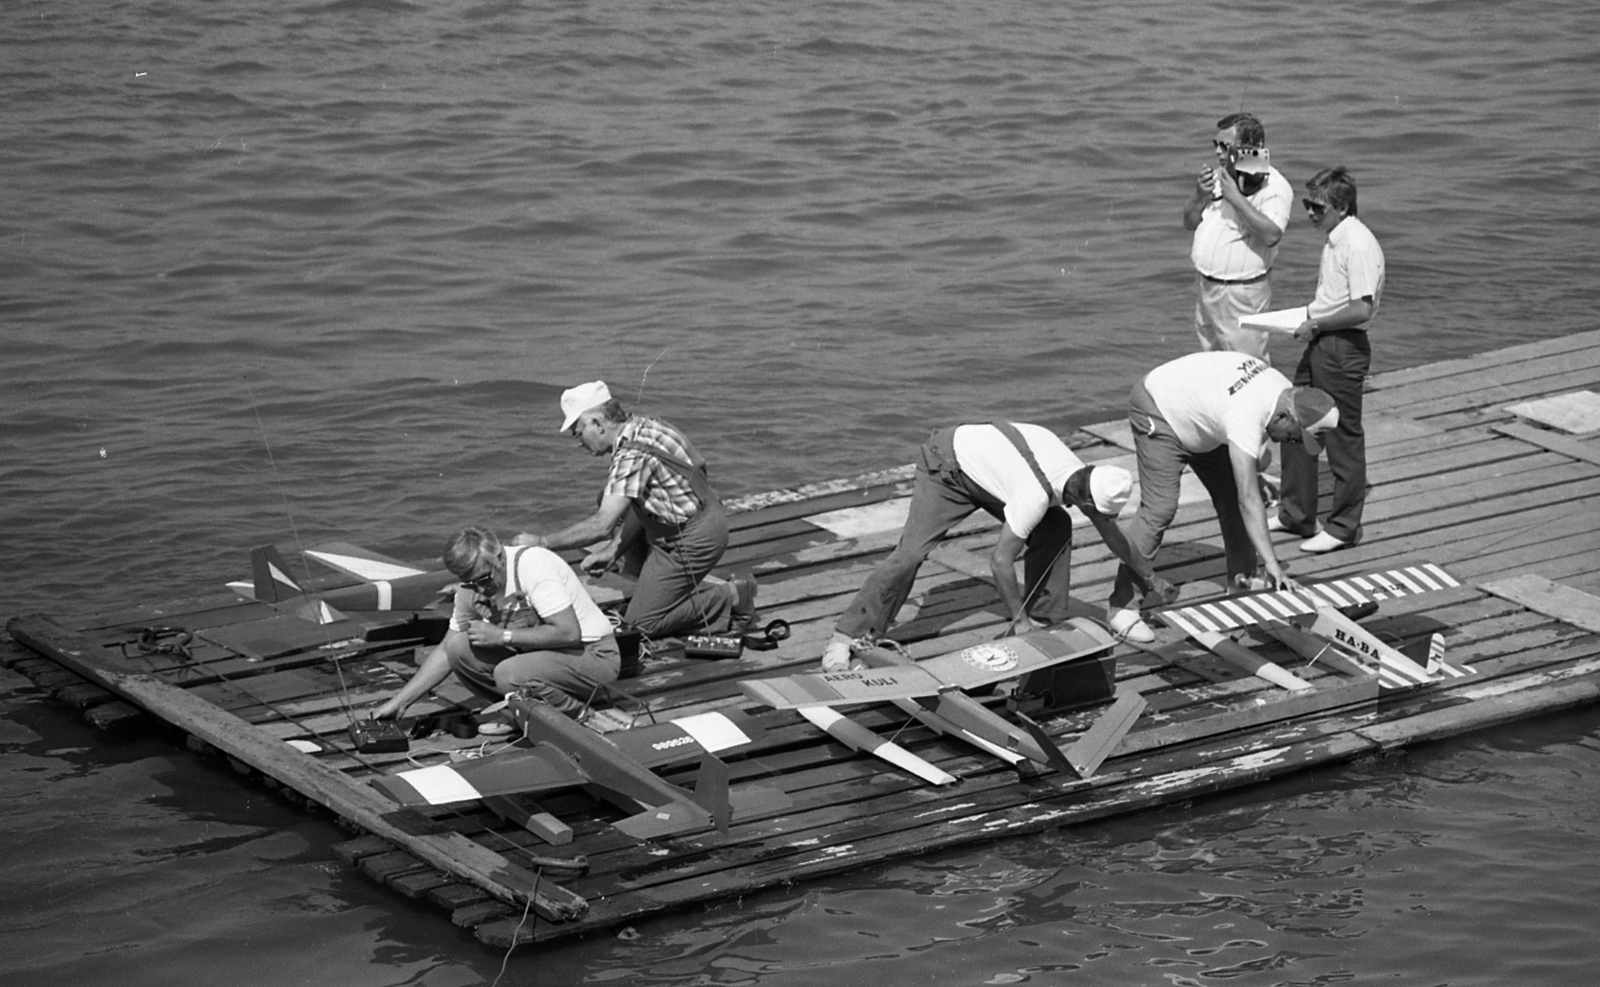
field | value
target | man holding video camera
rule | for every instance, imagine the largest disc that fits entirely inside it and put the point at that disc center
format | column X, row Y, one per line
column 1238, row 212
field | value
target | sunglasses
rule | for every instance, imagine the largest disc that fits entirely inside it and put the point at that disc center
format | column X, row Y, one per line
column 1316, row 209
column 479, row 582
column 1222, row 145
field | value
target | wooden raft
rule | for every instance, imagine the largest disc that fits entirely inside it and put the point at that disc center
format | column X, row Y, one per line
column 1509, row 507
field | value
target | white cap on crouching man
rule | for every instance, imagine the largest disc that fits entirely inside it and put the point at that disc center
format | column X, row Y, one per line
column 1109, row 488
column 576, row 400
column 1313, row 410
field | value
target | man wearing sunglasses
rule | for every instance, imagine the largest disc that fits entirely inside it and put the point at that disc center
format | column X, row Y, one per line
column 1238, row 212
column 658, row 520
column 522, row 622
column 1336, row 358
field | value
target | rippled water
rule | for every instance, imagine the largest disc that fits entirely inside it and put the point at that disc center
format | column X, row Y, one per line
column 296, row 272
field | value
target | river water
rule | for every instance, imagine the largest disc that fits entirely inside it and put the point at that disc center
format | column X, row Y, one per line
column 312, row 271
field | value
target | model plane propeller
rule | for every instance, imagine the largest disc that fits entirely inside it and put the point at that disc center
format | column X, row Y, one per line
column 616, row 767
column 933, row 691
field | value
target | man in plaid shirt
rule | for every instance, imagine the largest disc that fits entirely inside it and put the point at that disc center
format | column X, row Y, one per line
column 658, row 519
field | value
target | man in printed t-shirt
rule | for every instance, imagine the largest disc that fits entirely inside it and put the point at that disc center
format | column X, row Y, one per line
column 1215, row 413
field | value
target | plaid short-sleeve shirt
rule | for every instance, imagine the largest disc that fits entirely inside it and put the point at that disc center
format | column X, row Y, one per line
column 648, row 481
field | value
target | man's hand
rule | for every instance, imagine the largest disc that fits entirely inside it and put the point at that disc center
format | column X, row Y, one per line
column 1024, row 624
column 1162, row 592
column 1306, row 331
column 483, row 634
column 600, row 559
column 1281, row 580
column 530, row 539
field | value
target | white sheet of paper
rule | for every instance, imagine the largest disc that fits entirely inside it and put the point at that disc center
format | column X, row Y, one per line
column 713, row 731
column 1283, row 320
column 440, row 784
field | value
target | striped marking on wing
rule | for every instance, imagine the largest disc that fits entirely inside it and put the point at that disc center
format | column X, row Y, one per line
column 1243, row 611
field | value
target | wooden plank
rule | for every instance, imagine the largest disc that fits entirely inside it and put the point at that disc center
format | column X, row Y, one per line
column 1566, row 445
column 1409, row 376
column 1549, row 598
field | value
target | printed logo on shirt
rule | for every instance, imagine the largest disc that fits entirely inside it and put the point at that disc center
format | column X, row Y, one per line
column 1251, row 369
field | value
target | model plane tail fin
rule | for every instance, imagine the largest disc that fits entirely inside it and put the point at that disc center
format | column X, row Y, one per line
column 274, row 585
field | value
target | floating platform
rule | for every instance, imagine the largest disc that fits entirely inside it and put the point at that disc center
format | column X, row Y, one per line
column 1507, row 501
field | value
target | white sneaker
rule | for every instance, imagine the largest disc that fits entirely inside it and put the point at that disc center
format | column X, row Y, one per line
column 1275, row 524
column 1322, row 541
column 1128, row 625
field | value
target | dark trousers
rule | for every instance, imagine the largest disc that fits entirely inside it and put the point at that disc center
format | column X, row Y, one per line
column 941, row 495
column 670, row 562
column 1335, row 362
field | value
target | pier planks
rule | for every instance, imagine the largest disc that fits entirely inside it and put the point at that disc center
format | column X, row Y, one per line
column 1457, row 481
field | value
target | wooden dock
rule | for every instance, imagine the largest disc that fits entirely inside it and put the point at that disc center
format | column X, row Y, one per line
column 1508, row 505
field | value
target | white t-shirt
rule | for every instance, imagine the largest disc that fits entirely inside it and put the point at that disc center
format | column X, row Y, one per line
column 546, row 584
column 993, row 463
column 1217, row 398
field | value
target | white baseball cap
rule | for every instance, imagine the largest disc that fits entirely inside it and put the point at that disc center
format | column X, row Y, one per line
column 1109, row 488
column 576, row 400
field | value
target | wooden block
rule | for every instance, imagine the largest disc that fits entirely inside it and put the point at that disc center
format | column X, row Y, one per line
column 531, row 818
column 1096, row 744
column 468, row 916
column 1552, row 599
column 115, row 717
column 351, row 851
column 416, row 884
column 455, row 894
column 382, row 867
column 83, row 695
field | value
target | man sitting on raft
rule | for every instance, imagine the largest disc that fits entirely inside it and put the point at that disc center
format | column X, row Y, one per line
column 522, row 623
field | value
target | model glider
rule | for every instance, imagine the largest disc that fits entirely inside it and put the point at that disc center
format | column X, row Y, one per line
column 386, row 584
column 933, row 691
column 616, row 767
column 1310, row 623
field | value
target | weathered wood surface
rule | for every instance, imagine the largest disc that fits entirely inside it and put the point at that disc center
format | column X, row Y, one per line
column 1457, row 481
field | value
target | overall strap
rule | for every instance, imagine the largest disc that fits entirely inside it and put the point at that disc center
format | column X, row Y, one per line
column 695, row 476
column 1010, row 432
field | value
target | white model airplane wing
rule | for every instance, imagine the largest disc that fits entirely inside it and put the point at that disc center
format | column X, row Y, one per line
column 362, row 563
column 1246, row 611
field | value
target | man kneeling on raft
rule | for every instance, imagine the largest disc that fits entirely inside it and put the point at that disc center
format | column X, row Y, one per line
column 1025, row 476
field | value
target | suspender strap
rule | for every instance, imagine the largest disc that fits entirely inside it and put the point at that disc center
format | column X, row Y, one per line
column 695, row 476
column 1010, row 432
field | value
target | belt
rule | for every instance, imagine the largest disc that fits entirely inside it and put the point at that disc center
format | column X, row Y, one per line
column 1259, row 277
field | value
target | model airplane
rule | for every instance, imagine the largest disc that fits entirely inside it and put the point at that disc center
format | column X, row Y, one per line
column 932, row 691
column 386, row 584
column 617, row 767
column 1310, row 623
